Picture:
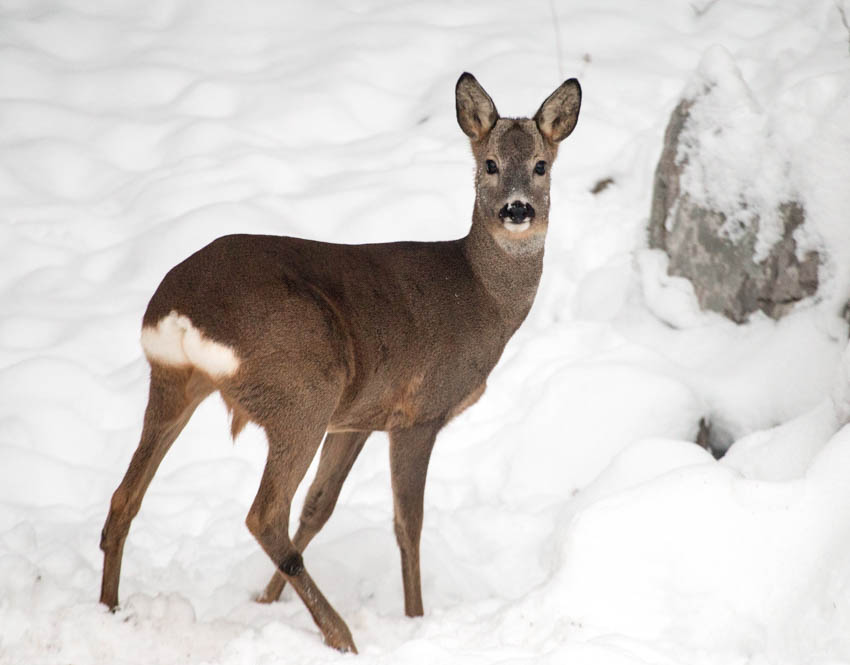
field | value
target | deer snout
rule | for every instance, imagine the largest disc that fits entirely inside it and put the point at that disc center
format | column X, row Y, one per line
column 518, row 212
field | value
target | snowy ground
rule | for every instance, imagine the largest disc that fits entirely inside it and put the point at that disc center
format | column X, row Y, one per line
column 569, row 518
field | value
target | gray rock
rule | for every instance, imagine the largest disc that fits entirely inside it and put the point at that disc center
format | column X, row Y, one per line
column 727, row 274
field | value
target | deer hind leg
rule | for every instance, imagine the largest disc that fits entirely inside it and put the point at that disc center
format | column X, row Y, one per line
column 174, row 395
column 294, row 420
column 410, row 450
column 339, row 452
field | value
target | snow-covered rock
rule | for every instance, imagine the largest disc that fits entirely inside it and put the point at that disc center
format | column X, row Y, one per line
column 725, row 207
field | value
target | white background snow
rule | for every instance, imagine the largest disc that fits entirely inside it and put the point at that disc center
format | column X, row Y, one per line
column 569, row 518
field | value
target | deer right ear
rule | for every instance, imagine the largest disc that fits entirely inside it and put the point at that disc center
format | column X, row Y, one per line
column 476, row 112
column 558, row 115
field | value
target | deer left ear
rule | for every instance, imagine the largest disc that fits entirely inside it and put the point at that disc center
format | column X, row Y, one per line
column 557, row 116
column 476, row 112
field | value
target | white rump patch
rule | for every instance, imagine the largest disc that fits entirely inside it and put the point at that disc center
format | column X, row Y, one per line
column 175, row 341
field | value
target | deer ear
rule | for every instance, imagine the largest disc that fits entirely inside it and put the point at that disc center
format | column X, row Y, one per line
column 557, row 116
column 476, row 112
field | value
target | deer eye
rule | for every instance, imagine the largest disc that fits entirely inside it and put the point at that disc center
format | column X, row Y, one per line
column 540, row 167
column 491, row 166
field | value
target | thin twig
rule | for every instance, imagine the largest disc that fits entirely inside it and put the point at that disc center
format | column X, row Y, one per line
column 839, row 5
column 557, row 27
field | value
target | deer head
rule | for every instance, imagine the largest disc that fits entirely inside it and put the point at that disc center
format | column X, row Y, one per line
column 513, row 159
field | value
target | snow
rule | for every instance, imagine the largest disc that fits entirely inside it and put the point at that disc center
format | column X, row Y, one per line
column 569, row 517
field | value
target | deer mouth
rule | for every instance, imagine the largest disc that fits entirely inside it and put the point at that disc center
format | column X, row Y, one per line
column 516, row 227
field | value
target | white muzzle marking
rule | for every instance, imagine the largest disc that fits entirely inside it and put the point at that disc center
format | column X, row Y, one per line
column 516, row 228
column 175, row 341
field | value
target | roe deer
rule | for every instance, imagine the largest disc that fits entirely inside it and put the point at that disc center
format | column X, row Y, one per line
column 311, row 339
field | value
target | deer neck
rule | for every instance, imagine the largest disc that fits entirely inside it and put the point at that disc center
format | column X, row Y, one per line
column 509, row 270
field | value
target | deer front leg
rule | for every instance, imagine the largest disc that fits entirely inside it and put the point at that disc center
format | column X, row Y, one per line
column 339, row 452
column 410, row 450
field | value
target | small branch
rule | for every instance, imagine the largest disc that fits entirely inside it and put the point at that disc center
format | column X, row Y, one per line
column 839, row 5
column 558, row 49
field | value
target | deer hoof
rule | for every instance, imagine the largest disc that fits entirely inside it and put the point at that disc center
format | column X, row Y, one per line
column 343, row 643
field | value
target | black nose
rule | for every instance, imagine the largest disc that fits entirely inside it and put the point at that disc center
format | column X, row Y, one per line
column 517, row 212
